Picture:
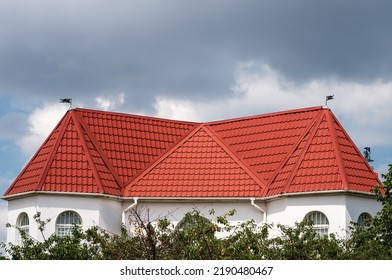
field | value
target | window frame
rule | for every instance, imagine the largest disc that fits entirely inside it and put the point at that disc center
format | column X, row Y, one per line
column 23, row 224
column 361, row 221
column 65, row 221
column 320, row 222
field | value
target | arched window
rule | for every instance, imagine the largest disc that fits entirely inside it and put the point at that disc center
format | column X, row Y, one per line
column 194, row 221
column 320, row 222
column 363, row 218
column 23, row 224
column 65, row 221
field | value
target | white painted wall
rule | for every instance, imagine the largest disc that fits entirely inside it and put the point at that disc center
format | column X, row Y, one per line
column 293, row 209
column 340, row 210
column 93, row 211
column 358, row 205
column 105, row 212
column 175, row 210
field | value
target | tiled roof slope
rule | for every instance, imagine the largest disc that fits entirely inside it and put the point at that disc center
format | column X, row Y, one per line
column 264, row 141
column 298, row 151
column 97, row 152
column 305, row 150
column 133, row 142
column 199, row 166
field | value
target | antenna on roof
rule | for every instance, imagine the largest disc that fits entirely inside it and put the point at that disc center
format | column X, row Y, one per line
column 67, row 100
column 327, row 98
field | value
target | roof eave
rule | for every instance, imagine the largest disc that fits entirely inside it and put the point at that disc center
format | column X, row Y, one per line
column 167, row 199
column 80, row 194
column 320, row 193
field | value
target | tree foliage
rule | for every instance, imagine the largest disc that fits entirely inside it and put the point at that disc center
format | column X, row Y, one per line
column 374, row 239
column 197, row 237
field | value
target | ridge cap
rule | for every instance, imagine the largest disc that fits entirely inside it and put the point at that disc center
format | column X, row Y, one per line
column 265, row 115
column 316, row 121
column 79, row 131
column 63, row 122
column 121, row 114
column 337, row 150
column 99, row 150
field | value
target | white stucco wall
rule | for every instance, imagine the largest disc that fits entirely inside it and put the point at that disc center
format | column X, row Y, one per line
column 358, row 205
column 340, row 210
column 107, row 213
column 93, row 211
column 175, row 210
column 293, row 209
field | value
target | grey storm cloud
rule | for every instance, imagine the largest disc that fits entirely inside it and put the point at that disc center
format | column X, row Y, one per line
column 184, row 49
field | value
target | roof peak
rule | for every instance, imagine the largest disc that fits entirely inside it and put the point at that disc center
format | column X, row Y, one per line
column 266, row 115
column 234, row 119
column 86, row 110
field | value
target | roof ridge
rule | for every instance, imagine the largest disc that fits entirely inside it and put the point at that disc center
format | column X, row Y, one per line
column 335, row 122
column 133, row 115
column 295, row 147
column 51, row 157
column 236, row 158
column 316, row 123
column 101, row 153
column 265, row 115
column 153, row 164
column 337, row 150
column 87, row 151
column 67, row 119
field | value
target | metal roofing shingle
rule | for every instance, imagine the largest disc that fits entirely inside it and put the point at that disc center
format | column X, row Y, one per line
column 264, row 141
column 197, row 167
column 132, row 142
column 30, row 176
column 90, row 151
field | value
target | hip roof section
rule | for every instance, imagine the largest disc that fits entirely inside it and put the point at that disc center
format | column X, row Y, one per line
column 89, row 151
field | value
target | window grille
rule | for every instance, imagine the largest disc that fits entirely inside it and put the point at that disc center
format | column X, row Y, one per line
column 320, row 222
column 23, row 224
column 65, row 221
column 363, row 218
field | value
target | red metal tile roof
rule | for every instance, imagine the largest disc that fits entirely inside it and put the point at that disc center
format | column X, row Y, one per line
column 296, row 151
column 199, row 166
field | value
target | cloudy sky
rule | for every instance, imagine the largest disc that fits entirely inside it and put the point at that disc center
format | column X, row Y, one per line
column 192, row 60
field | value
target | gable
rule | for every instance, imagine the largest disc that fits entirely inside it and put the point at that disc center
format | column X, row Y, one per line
column 199, row 166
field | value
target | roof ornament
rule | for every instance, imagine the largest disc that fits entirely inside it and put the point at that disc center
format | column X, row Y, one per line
column 327, row 98
column 367, row 154
column 67, row 100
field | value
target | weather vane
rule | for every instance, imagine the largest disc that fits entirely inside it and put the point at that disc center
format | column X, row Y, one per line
column 327, row 98
column 67, row 100
column 367, row 154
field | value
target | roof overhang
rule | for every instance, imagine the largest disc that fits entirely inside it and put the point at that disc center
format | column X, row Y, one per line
column 194, row 199
column 73, row 194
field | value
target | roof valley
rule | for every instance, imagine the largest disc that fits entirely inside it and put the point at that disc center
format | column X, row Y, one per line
column 337, row 151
